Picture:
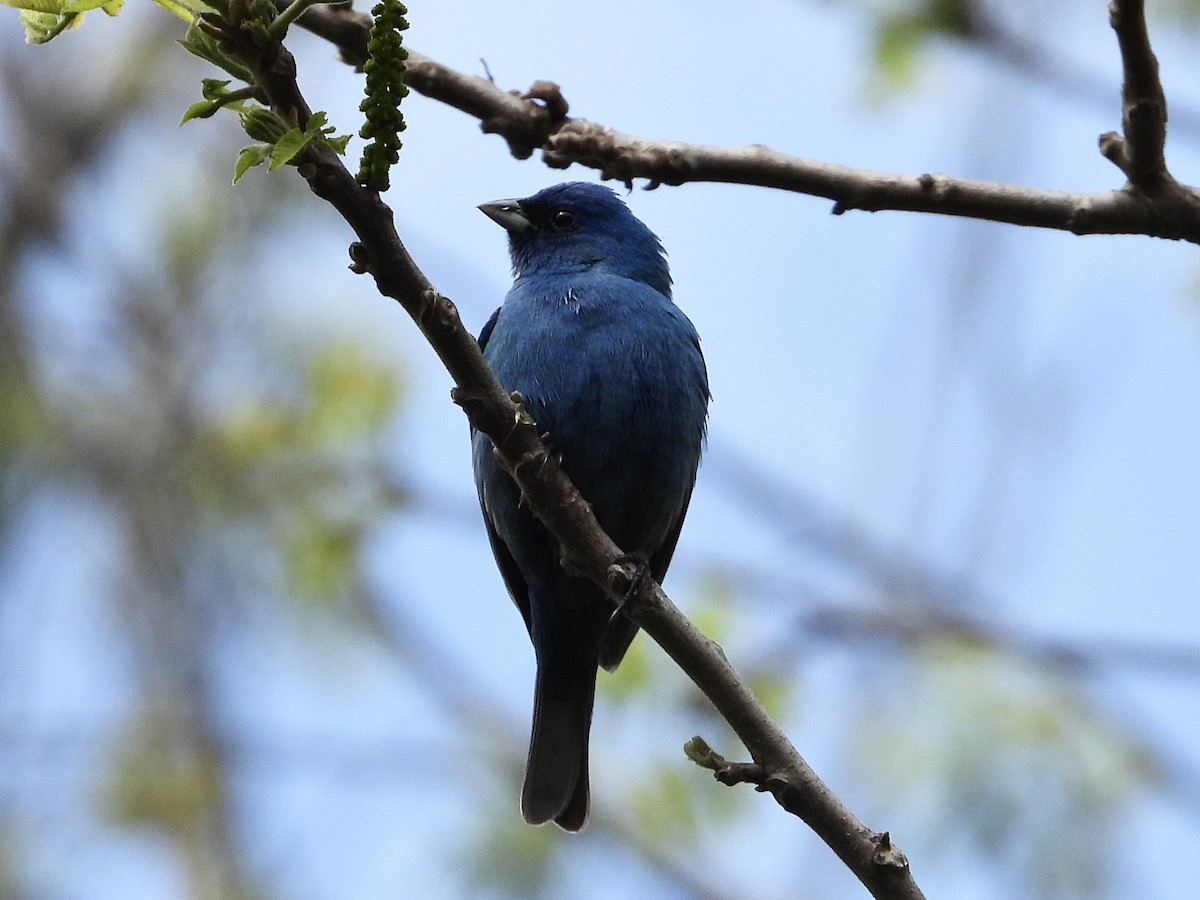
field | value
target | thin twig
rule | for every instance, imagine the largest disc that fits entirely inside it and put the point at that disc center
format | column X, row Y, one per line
column 1152, row 204
column 1140, row 152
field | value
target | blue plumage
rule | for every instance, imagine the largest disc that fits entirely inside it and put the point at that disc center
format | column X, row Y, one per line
column 611, row 370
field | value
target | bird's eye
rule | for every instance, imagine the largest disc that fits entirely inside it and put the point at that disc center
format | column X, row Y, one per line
column 562, row 220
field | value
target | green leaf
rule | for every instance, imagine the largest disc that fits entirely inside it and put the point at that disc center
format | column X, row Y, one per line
column 45, row 20
column 217, row 97
column 63, row 7
column 201, row 109
column 112, row 7
column 213, row 88
column 177, row 9
column 50, row 7
column 322, row 134
column 42, row 28
column 188, row 10
column 197, row 43
column 336, row 144
column 317, row 132
column 287, row 147
column 248, row 159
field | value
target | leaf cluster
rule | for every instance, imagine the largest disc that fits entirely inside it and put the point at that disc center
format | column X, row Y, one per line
column 44, row 20
column 283, row 144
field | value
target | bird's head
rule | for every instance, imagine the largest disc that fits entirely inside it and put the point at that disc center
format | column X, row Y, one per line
column 577, row 227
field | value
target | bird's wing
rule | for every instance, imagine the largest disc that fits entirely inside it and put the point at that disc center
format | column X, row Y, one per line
column 518, row 589
column 484, row 334
column 660, row 559
column 513, row 579
column 487, row 329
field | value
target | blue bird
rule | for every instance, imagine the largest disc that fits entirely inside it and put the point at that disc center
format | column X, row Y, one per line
column 611, row 370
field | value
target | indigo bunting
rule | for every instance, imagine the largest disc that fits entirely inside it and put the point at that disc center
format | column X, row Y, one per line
column 611, row 370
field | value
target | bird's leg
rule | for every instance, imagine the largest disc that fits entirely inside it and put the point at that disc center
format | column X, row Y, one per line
column 550, row 450
column 629, row 585
column 542, row 459
column 641, row 572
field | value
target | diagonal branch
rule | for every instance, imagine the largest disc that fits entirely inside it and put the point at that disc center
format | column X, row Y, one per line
column 380, row 252
column 1151, row 204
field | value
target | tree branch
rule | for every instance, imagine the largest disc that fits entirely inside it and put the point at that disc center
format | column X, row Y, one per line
column 550, row 494
column 778, row 767
column 1152, row 203
column 1139, row 154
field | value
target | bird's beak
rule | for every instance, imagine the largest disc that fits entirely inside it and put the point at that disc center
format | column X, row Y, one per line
column 508, row 215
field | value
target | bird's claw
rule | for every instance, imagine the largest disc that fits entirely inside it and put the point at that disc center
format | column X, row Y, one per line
column 641, row 572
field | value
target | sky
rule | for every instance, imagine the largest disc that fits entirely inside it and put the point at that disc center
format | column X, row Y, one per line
column 1011, row 404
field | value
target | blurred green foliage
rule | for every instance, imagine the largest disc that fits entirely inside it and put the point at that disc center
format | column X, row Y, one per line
column 160, row 781
column 902, row 32
column 1005, row 758
column 235, row 461
column 510, row 858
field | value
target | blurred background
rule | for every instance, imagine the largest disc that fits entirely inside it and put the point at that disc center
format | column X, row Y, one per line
column 252, row 641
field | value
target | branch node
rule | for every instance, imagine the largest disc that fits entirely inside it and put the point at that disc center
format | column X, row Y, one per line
column 544, row 111
column 550, row 98
column 747, row 773
column 468, row 400
column 532, row 463
column 699, row 752
column 726, row 772
column 1112, row 148
column 438, row 313
column 360, row 258
column 888, row 854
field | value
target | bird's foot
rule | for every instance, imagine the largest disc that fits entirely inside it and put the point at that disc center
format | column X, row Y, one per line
column 641, row 572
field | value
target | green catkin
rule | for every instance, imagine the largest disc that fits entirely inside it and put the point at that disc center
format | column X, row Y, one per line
column 385, row 89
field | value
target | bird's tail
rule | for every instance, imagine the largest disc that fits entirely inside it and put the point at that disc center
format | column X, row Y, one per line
column 556, row 774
